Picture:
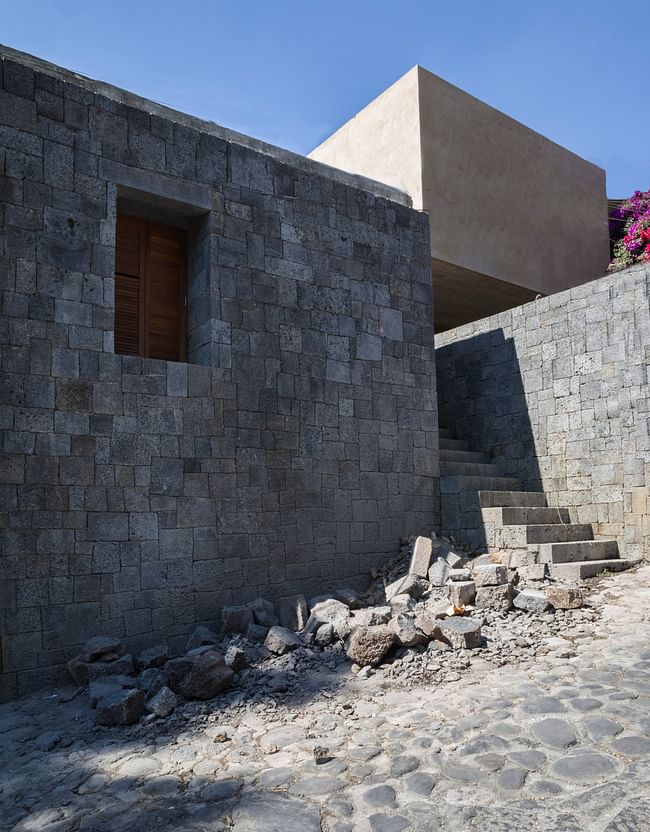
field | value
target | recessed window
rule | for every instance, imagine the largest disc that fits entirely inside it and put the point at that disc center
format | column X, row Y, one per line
column 150, row 289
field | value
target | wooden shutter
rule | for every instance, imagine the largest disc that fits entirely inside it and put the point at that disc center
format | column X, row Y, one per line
column 165, row 305
column 150, row 289
column 129, row 285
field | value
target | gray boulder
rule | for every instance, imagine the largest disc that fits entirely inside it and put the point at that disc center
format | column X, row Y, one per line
column 531, row 600
column 411, row 585
column 371, row 616
column 162, row 704
column 200, row 676
column 369, row 645
column 439, row 572
column 460, row 632
column 280, row 640
column 406, row 631
column 120, row 707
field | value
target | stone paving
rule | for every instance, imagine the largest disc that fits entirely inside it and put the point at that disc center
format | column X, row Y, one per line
column 552, row 745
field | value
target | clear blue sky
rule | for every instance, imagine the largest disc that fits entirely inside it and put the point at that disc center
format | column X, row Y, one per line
column 291, row 72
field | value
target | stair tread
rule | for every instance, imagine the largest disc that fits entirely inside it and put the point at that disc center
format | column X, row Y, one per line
column 577, row 551
column 579, row 570
column 507, row 498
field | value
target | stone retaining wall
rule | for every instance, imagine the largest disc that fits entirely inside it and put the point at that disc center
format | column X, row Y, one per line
column 293, row 450
column 557, row 391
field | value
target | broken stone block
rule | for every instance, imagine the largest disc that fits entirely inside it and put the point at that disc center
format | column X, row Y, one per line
column 120, row 707
column 402, row 603
column 536, row 572
column 83, row 672
column 531, row 600
column 564, row 597
column 235, row 658
column 454, row 560
column 101, row 688
column 201, row 635
column 439, row 572
column 462, row 593
column 162, row 704
column 421, row 557
column 293, row 612
column 152, row 657
column 151, row 681
column 199, row 677
column 236, row 619
column 521, row 557
column 491, row 574
column 497, row 597
column 263, row 612
column 369, row 645
column 460, row 632
column 256, row 633
column 371, row 616
column 335, row 613
column 349, row 597
column 99, row 646
column 408, row 585
column 427, row 622
column 406, row 631
column 280, row 640
column 460, row 575
column 325, row 635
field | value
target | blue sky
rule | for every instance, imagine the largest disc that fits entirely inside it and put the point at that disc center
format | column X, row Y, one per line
column 291, row 72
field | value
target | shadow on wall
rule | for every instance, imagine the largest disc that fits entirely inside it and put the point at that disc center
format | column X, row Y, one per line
column 482, row 400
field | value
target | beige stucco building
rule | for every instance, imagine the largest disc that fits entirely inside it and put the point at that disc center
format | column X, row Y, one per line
column 512, row 214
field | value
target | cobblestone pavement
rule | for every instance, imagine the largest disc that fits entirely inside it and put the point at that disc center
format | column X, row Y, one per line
column 557, row 744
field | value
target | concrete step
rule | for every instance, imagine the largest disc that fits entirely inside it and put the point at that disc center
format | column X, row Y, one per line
column 453, row 444
column 495, row 498
column 529, row 515
column 447, row 455
column 445, row 433
column 458, row 483
column 577, row 551
column 468, row 469
column 588, row 568
column 515, row 537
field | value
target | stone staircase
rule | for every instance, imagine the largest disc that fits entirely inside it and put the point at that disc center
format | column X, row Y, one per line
column 491, row 512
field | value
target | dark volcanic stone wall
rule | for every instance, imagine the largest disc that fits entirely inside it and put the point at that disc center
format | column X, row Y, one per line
column 289, row 454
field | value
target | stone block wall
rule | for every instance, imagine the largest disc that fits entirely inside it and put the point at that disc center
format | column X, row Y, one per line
column 291, row 452
column 558, row 392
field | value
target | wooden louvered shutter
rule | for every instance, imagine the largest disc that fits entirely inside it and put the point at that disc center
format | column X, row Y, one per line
column 165, row 303
column 129, row 285
column 150, row 289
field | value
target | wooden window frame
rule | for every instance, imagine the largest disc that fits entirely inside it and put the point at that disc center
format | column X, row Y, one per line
column 147, row 229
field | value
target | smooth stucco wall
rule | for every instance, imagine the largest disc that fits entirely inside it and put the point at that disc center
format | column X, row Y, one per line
column 503, row 201
column 383, row 139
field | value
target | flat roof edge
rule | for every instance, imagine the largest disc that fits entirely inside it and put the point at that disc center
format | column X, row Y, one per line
column 131, row 99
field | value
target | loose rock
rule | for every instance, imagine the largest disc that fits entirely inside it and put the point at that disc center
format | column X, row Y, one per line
column 280, row 640
column 369, row 645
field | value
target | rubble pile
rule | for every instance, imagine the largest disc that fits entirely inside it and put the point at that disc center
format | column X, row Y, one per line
column 424, row 617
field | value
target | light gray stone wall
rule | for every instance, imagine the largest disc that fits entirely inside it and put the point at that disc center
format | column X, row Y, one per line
column 293, row 450
column 557, row 391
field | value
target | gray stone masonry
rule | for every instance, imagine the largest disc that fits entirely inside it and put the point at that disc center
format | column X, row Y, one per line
column 291, row 452
column 556, row 392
